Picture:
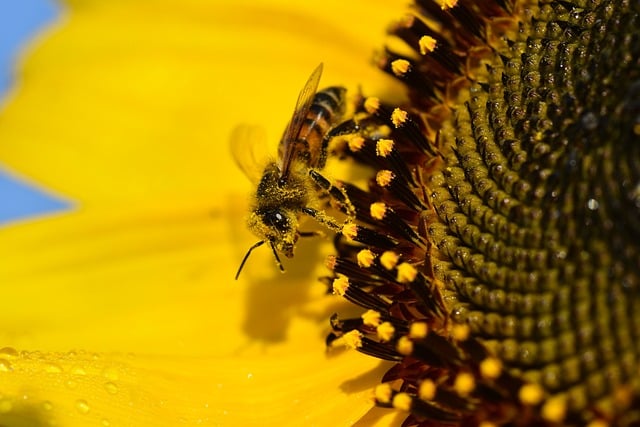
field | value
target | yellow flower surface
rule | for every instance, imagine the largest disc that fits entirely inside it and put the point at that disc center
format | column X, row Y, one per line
column 123, row 311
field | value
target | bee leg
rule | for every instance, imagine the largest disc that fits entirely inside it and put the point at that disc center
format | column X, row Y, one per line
column 337, row 193
column 275, row 254
column 344, row 128
column 322, row 218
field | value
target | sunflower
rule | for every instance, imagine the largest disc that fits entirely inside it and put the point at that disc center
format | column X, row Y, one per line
column 491, row 232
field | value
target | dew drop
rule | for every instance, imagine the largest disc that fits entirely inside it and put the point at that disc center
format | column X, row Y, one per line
column 78, row 370
column 5, row 366
column 52, row 368
column 105, row 422
column 47, row 406
column 82, row 406
column 9, row 352
column 71, row 384
column 111, row 388
column 593, row 204
column 5, row 406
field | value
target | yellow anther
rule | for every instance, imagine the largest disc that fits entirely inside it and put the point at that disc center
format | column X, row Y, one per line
column 389, row 260
column 418, row 330
column 407, row 273
column 371, row 318
column 402, row 401
column 371, row 105
column 398, row 117
column 384, row 147
column 365, row 258
column 340, row 286
column 384, row 177
column 400, row 67
column 427, row 44
column 427, row 390
column 378, row 210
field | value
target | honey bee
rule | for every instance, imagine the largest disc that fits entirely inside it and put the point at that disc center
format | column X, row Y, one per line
column 291, row 186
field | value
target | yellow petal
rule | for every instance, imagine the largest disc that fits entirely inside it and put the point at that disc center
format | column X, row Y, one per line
column 93, row 389
column 149, row 292
column 136, row 99
column 149, row 278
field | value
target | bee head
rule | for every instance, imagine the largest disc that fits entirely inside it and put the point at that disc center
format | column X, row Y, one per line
column 277, row 226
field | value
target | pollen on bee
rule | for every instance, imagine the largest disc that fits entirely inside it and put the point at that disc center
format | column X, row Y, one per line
column 398, row 117
column 385, row 331
column 365, row 258
column 402, row 401
column 350, row 231
column 427, row 390
column 418, row 330
column 404, row 346
column 384, row 177
column 464, row 383
column 378, row 210
column 407, row 273
column 384, row 147
column 383, row 393
column 400, row 67
column 531, row 394
column 371, row 105
column 340, row 285
column 355, row 143
column 427, row 44
column 389, row 260
column 554, row 409
column 371, row 318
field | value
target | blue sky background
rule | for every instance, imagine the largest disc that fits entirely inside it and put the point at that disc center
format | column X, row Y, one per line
column 20, row 20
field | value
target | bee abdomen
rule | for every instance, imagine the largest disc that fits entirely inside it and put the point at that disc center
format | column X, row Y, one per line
column 326, row 110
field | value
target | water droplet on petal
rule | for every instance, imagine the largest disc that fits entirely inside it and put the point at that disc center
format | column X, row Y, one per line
column 111, row 388
column 71, row 384
column 82, row 406
column 105, row 422
column 47, row 406
column 52, row 368
column 9, row 352
column 5, row 365
column 78, row 370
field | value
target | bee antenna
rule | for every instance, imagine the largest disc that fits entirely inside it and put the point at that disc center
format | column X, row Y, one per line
column 257, row 245
column 275, row 254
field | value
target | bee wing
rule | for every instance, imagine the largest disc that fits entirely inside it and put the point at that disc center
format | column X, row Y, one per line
column 289, row 142
column 249, row 150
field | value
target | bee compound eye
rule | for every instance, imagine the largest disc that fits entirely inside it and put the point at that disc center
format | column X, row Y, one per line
column 277, row 220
